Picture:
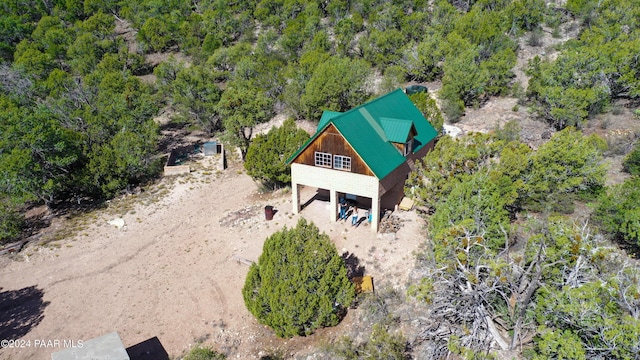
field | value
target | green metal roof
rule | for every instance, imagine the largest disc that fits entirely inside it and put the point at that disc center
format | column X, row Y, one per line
column 326, row 116
column 396, row 130
column 364, row 129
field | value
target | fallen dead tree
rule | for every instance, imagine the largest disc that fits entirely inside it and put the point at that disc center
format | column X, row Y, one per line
column 487, row 300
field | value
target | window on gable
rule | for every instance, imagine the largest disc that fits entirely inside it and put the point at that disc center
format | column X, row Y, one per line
column 323, row 159
column 342, row 162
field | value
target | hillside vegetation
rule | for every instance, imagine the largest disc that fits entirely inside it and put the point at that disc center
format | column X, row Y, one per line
column 69, row 75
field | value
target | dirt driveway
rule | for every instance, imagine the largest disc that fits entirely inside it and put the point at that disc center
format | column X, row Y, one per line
column 170, row 271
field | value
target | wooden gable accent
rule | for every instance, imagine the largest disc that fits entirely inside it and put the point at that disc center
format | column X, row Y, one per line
column 400, row 146
column 330, row 141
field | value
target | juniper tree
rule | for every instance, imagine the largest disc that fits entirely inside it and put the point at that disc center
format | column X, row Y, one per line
column 299, row 283
column 267, row 155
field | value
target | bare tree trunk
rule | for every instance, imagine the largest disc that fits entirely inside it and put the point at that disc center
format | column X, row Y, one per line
column 491, row 326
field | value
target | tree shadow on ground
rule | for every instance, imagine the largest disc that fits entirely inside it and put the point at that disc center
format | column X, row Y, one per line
column 316, row 196
column 176, row 135
column 354, row 269
column 20, row 311
column 631, row 249
column 73, row 205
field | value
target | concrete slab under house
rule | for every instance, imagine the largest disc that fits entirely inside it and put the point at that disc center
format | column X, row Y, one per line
column 363, row 155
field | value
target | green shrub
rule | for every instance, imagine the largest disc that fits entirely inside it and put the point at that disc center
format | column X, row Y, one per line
column 11, row 222
column 382, row 345
column 617, row 211
column 427, row 105
column 559, row 203
column 454, row 109
column 569, row 163
column 510, row 131
column 422, row 291
column 267, row 155
column 204, row 353
column 631, row 163
column 559, row 345
column 535, row 38
column 300, row 282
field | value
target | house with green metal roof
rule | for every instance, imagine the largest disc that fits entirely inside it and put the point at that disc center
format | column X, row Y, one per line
column 364, row 154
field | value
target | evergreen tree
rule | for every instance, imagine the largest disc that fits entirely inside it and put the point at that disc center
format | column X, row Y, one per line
column 338, row 84
column 242, row 107
column 631, row 162
column 267, row 155
column 568, row 164
column 618, row 213
column 299, row 283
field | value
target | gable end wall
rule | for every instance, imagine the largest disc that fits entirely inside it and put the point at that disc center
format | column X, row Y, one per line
column 332, row 142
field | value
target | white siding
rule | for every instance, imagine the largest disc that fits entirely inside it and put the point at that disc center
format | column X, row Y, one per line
column 342, row 181
column 336, row 181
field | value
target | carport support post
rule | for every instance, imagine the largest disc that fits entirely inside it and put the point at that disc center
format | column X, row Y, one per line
column 375, row 212
column 295, row 193
column 333, row 195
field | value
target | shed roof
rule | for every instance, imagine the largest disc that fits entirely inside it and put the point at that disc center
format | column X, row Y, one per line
column 372, row 127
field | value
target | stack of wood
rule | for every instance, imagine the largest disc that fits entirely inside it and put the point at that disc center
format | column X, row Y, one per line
column 390, row 223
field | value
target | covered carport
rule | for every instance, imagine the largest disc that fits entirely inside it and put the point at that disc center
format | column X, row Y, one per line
column 336, row 184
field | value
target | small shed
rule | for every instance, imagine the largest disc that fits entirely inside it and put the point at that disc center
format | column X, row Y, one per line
column 211, row 148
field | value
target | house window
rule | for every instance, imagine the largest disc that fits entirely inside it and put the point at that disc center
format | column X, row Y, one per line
column 323, row 159
column 408, row 147
column 342, row 162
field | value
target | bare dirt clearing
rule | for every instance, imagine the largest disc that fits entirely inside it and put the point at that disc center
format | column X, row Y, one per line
column 170, row 271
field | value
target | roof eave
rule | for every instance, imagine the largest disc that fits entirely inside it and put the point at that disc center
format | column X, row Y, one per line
column 307, row 143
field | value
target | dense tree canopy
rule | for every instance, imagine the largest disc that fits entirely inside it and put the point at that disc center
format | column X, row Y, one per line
column 60, row 49
column 570, row 164
column 299, row 283
column 427, row 40
column 75, row 120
